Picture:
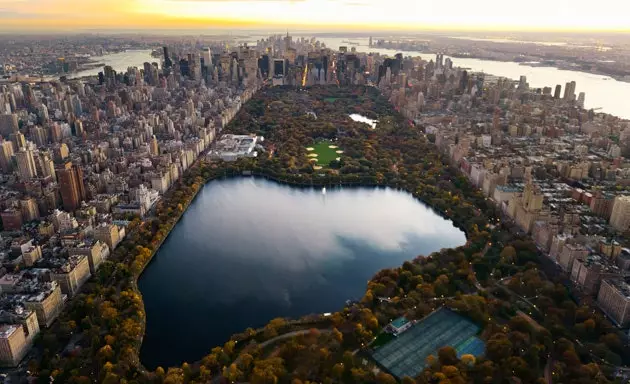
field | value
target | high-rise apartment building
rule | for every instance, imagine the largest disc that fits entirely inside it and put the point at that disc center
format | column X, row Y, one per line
column 620, row 217
column 168, row 63
column 72, row 274
column 18, row 139
column 108, row 234
column 8, row 124
column 6, row 154
column 29, row 209
column 154, row 149
column 46, row 167
column 39, row 136
column 614, row 299
column 70, row 178
column 47, row 305
column 569, row 91
column 26, row 164
column 13, row 344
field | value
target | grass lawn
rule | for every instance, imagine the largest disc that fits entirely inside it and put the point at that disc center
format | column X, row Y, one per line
column 331, row 99
column 324, row 153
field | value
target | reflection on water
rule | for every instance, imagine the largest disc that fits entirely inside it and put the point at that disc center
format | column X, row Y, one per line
column 363, row 119
column 249, row 250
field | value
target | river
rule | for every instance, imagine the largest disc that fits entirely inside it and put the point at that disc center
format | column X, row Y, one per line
column 119, row 61
column 248, row 250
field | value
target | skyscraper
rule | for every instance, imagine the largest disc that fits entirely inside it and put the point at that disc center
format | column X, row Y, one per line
column 6, row 153
column 154, row 146
column 620, row 218
column 46, row 165
column 168, row 63
column 569, row 91
column 581, row 98
column 8, row 124
column 18, row 139
column 70, row 178
column 26, row 164
column 558, row 92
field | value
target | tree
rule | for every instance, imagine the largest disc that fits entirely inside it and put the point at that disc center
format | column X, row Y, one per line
column 498, row 347
column 338, row 370
column 508, row 255
column 468, row 359
column 384, row 378
column 447, row 355
column 232, row 373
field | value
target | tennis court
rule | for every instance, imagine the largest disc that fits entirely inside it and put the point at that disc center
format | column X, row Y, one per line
column 406, row 354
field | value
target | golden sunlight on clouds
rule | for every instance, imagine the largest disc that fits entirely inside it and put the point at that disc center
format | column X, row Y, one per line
column 309, row 14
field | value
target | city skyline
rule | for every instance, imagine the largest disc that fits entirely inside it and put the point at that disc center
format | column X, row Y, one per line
column 348, row 15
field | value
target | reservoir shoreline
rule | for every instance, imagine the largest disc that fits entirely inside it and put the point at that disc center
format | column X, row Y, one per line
column 226, row 173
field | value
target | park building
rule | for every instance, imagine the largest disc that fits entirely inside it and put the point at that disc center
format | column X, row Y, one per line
column 232, row 147
column 399, row 326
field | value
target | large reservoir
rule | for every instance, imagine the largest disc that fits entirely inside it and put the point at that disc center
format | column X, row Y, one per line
column 249, row 250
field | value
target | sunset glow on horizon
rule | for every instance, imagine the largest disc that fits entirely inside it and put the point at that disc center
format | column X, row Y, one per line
column 576, row 15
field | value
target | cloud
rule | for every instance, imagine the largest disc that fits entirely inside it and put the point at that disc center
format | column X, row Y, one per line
column 357, row 3
column 6, row 13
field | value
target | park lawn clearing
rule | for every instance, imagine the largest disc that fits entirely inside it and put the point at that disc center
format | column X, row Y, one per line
column 325, row 154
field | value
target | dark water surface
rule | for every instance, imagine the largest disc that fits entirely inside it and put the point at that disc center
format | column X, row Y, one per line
column 249, row 250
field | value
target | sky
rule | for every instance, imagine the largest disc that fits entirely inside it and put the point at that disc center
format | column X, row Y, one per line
column 359, row 15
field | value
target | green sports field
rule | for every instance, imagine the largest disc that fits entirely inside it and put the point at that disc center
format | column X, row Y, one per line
column 324, row 153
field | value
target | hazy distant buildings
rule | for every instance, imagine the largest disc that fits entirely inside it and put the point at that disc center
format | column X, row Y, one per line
column 569, row 91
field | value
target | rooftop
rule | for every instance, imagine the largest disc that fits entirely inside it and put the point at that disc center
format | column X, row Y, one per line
column 7, row 330
column 620, row 286
column 400, row 322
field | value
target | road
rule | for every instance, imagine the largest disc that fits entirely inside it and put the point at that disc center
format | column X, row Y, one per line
column 548, row 368
column 476, row 282
column 290, row 335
